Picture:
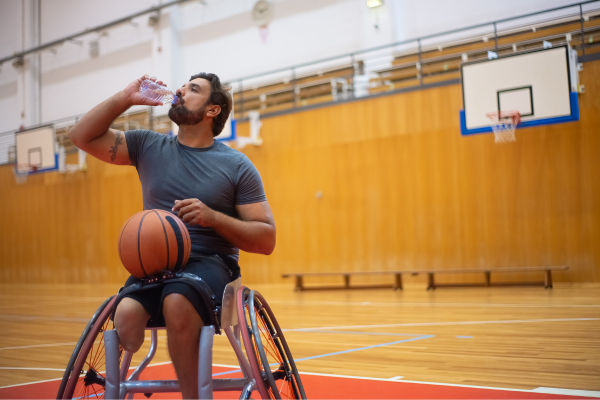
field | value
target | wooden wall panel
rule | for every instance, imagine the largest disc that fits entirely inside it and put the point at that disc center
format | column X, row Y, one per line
column 401, row 188
column 63, row 228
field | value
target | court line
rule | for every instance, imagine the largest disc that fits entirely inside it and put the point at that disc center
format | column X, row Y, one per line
column 39, row 318
column 31, row 383
column 380, row 304
column 510, row 321
column 333, row 328
column 567, row 392
column 50, row 345
column 38, row 345
column 363, row 333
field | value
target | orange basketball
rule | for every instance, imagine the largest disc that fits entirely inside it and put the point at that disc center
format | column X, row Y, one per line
column 153, row 240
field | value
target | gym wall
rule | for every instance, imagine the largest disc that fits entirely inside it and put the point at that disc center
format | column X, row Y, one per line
column 400, row 189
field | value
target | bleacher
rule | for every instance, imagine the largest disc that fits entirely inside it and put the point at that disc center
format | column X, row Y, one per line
column 410, row 68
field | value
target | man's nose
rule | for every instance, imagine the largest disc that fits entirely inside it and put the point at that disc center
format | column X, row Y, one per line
column 179, row 92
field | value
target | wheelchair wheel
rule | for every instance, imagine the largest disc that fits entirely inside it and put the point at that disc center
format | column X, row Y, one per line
column 83, row 377
column 267, row 349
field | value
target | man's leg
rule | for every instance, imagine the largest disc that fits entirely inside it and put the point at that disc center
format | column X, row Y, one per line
column 130, row 322
column 183, row 337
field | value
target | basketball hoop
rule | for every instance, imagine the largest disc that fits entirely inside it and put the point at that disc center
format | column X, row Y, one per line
column 21, row 172
column 504, row 124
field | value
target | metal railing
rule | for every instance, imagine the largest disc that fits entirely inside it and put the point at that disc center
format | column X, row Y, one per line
column 412, row 63
column 406, row 65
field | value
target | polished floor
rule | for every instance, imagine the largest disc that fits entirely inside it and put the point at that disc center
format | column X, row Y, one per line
column 516, row 338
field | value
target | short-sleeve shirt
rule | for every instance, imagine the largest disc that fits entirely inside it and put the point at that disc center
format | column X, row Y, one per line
column 218, row 176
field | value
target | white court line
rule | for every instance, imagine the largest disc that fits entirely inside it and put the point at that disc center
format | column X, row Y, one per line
column 39, row 318
column 513, row 321
column 567, row 392
column 38, row 345
column 370, row 326
column 50, row 345
column 381, row 304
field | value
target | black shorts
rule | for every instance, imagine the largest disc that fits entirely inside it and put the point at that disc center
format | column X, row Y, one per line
column 212, row 270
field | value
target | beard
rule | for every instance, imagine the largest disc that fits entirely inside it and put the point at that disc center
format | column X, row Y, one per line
column 183, row 116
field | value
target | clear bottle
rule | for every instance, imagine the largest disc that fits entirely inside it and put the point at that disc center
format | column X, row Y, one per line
column 154, row 91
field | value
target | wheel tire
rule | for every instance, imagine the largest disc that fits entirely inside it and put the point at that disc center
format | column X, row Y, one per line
column 93, row 381
column 260, row 329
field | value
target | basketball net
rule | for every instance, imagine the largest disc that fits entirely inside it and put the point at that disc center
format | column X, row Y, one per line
column 263, row 32
column 21, row 172
column 504, row 124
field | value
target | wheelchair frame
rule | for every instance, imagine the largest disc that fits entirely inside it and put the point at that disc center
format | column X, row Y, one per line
column 237, row 300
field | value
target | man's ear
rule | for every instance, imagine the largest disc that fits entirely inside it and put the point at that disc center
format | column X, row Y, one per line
column 213, row 110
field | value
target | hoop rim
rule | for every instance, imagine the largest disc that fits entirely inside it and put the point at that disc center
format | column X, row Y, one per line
column 24, row 168
column 496, row 116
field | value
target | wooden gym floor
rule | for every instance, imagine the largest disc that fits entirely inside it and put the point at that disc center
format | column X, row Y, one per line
column 516, row 338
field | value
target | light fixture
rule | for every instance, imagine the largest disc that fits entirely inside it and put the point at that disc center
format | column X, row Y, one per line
column 374, row 3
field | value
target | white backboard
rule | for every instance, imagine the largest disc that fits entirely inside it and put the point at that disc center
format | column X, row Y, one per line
column 37, row 147
column 537, row 84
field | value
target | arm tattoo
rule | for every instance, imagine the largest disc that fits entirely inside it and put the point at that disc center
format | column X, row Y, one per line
column 118, row 141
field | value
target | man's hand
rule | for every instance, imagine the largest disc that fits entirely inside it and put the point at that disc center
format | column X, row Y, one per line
column 133, row 95
column 194, row 212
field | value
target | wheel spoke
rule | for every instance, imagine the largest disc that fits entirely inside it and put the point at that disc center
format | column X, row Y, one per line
column 271, row 351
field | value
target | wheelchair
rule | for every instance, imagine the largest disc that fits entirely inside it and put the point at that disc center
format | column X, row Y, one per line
column 267, row 365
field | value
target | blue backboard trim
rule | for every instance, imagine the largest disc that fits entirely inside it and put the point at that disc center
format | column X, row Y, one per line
column 233, row 132
column 54, row 168
column 488, row 129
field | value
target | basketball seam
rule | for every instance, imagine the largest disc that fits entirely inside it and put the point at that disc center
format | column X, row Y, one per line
column 139, row 240
column 166, row 237
column 121, row 236
column 187, row 234
column 179, row 240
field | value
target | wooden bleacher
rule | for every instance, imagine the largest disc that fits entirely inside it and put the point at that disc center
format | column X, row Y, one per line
column 305, row 90
column 431, row 285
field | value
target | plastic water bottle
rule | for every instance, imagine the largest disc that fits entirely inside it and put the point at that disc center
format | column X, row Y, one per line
column 154, row 91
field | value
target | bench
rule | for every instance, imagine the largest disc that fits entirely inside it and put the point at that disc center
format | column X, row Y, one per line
column 431, row 285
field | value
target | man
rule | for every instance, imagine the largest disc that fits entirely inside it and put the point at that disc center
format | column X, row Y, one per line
column 214, row 189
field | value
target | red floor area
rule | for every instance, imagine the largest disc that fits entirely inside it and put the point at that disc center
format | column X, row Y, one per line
column 316, row 387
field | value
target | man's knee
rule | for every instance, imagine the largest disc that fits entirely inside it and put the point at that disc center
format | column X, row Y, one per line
column 180, row 314
column 130, row 322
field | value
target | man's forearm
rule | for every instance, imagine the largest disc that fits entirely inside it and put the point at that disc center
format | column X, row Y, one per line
column 96, row 122
column 250, row 236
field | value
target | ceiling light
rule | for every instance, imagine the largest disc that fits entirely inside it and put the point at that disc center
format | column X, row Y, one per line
column 374, row 3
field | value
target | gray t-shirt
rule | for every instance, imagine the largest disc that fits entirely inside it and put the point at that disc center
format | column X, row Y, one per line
column 218, row 176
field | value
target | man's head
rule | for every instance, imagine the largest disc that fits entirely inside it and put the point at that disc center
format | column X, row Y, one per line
column 202, row 97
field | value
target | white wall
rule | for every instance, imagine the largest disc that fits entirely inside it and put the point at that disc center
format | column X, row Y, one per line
column 217, row 36
column 415, row 19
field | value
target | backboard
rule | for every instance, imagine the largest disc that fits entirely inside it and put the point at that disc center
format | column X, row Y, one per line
column 540, row 84
column 37, row 148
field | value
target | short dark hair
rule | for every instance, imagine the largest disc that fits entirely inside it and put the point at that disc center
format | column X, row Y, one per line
column 219, row 96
